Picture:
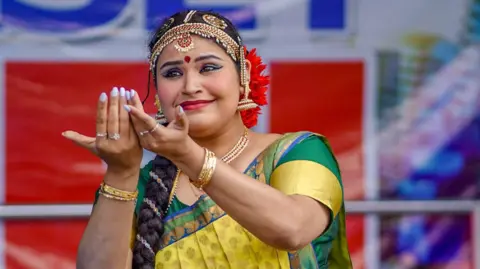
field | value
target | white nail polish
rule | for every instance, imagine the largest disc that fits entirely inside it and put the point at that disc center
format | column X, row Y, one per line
column 127, row 108
column 114, row 92
column 122, row 91
column 132, row 92
column 127, row 94
column 103, row 97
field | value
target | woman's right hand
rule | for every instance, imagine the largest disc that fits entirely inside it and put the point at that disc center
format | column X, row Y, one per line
column 116, row 141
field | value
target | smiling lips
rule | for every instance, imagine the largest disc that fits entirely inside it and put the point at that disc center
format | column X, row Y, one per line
column 197, row 104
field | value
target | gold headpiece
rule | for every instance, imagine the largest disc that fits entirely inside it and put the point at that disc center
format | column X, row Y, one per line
column 209, row 26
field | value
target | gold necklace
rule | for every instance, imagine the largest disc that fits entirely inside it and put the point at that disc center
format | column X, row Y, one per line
column 241, row 145
column 231, row 155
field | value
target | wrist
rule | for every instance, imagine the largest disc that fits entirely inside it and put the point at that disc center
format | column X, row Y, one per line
column 191, row 163
column 126, row 179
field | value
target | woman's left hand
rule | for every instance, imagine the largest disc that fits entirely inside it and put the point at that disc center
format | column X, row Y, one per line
column 170, row 142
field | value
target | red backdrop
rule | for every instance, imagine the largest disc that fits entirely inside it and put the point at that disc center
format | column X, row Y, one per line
column 327, row 98
column 45, row 99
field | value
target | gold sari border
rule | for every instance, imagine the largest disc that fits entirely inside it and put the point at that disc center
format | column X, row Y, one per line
column 192, row 226
column 309, row 179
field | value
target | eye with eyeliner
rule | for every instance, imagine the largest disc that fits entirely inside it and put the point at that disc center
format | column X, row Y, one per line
column 210, row 68
column 172, row 73
column 177, row 72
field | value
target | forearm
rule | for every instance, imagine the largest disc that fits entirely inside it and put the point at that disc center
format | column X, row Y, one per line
column 270, row 215
column 267, row 213
column 105, row 242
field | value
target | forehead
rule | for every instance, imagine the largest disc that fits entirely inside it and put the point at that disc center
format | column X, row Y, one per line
column 201, row 45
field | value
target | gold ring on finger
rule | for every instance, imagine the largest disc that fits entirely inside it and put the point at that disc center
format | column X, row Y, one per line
column 154, row 128
column 102, row 135
column 142, row 133
column 114, row 136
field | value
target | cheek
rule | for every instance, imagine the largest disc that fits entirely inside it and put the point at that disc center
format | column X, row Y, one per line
column 167, row 92
column 222, row 87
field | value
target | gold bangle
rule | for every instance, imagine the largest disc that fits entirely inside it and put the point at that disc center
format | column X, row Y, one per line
column 113, row 197
column 128, row 195
column 207, row 170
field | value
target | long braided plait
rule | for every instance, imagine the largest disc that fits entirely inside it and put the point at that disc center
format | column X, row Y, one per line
column 150, row 218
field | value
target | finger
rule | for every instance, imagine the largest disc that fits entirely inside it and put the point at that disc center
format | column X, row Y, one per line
column 135, row 100
column 124, row 122
column 144, row 121
column 181, row 120
column 112, row 122
column 81, row 140
column 128, row 96
column 102, row 114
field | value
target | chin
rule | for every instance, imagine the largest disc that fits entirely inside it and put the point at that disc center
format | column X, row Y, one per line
column 200, row 125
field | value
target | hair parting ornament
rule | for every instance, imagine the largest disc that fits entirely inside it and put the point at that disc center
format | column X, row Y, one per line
column 212, row 26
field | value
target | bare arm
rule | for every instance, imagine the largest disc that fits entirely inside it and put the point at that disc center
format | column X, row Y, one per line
column 106, row 240
column 286, row 222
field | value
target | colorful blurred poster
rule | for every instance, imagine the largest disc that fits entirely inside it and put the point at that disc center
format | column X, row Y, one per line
column 429, row 149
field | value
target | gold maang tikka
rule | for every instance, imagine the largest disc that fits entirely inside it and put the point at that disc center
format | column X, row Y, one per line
column 184, row 40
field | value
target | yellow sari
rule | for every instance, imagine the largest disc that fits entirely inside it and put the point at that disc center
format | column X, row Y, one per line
column 204, row 236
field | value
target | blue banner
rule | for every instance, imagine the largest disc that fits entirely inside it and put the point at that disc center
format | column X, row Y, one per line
column 68, row 19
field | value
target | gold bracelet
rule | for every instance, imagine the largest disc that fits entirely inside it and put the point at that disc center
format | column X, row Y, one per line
column 128, row 195
column 207, row 170
column 118, row 198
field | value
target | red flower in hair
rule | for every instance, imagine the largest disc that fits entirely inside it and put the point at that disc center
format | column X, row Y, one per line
column 258, row 88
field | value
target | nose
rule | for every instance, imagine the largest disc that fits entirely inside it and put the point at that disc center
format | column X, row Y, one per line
column 192, row 83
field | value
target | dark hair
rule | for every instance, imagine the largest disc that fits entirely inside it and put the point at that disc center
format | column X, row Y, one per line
column 159, row 186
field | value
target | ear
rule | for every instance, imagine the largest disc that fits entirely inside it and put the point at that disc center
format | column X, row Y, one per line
column 249, row 68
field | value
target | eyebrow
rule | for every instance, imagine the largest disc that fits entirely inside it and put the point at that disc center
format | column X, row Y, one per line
column 206, row 57
column 198, row 59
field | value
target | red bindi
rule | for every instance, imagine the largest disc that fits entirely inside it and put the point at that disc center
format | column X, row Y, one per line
column 187, row 59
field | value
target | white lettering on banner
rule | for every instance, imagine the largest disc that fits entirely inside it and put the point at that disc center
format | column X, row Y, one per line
column 87, row 19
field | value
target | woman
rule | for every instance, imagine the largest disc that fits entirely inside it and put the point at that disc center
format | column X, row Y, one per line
column 270, row 201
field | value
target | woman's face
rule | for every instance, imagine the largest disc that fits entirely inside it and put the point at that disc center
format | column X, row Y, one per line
column 204, row 81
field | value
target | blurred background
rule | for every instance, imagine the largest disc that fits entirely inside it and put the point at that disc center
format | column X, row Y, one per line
column 394, row 85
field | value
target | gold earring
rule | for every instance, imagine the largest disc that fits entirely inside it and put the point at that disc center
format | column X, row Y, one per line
column 246, row 103
column 159, row 117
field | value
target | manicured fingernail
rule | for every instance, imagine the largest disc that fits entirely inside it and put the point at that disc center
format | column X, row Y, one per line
column 103, row 97
column 114, row 92
column 181, row 110
column 127, row 108
column 127, row 94
column 132, row 91
column 122, row 91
